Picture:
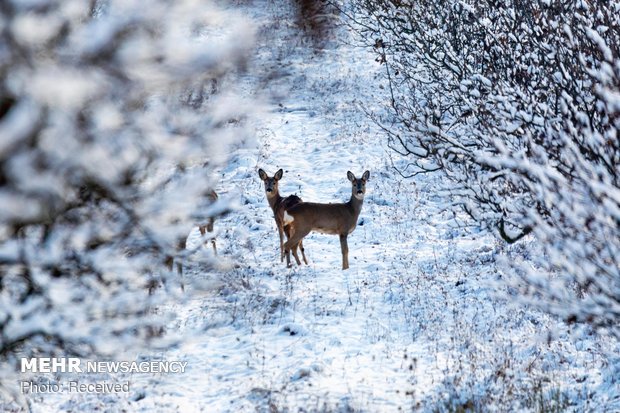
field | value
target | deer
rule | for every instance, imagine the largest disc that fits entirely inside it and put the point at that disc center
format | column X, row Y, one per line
column 336, row 219
column 279, row 205
column 170, row 260
column 212, row 196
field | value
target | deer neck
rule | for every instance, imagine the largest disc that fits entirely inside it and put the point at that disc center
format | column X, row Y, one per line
column 274, row 201
column 356, row 205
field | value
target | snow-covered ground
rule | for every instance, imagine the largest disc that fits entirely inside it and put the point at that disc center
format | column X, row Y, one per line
column 417, row 322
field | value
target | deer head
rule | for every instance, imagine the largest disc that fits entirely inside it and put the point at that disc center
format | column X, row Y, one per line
column 359, row 185
column 271, row 184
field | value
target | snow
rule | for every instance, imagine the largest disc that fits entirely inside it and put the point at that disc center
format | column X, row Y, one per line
column 34, row 29
column 416, row 312
column 63, row 88
column 416, row 323
column 598, row 40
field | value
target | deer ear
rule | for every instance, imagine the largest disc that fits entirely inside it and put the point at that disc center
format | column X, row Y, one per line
column 350, row 176
column 278, row 174
column 262, row 174
column 366, row 175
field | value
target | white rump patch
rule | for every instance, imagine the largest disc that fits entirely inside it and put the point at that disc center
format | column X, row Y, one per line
column 287, row 218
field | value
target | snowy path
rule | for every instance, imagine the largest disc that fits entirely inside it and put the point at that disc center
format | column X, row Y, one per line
column 410, row 323
column 415, row 324
column 315, row 336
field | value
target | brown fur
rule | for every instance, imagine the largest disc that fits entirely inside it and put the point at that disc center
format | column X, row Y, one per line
column 336, row 219
column 279, row 205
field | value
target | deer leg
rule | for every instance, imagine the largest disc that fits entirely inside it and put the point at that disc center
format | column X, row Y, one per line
column 295, row 255
column 287, row 232
column 208, row 228
column 169, row 263
column 292, row 244
column 287, row 252
column 288, row 257
column 303, row 254
column 345, row 251
column 181, row 245
column 180, row 271
column 281, row 232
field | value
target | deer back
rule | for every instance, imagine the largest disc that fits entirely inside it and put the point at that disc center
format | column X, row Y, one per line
column 285, row 204
column 338, row 218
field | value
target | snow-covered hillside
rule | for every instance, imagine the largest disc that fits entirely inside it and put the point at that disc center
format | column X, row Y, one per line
column 418, row 322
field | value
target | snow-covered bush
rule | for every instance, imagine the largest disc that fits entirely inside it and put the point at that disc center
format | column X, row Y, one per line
column 517, row 102
column 105, row 109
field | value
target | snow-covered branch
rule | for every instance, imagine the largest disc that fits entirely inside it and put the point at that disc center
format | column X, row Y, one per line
column 517, row 103
column 99, row 155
